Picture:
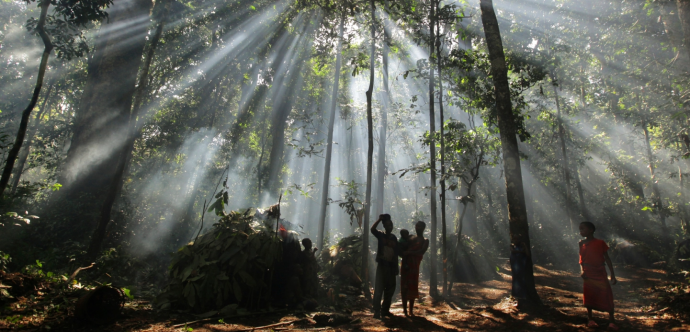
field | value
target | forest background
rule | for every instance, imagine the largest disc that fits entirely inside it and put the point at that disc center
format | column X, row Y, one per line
column 147, row 108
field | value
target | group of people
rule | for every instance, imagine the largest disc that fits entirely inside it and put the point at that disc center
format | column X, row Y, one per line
column 597, row 292
column 411, row 248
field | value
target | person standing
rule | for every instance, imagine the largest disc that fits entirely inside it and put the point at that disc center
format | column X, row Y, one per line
column 409, row 273
column 387, row 266
column 597, row 292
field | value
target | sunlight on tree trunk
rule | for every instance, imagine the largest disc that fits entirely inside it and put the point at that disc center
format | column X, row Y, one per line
column 565, row 164
column 125, row 153
column 656, row 193
column 517, row 213
column 26, row 149
column 370, row 156
column 26, row 114
column 329, row 143
column 433, row 278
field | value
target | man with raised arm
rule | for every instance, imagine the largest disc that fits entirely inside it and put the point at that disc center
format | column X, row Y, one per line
column 387, row 266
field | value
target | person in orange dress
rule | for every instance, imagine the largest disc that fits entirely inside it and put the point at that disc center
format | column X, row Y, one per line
column 409, row 271
column 597, row 293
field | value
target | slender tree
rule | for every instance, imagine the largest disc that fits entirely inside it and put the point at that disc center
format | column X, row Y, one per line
column 565, row 164
column 517, row 212
column 370, row 153
column 433, row 279
column 656, row 193
column 329, row 147
column 26, row 148
column 386, row 101
column 26, row 114
column 444, row 246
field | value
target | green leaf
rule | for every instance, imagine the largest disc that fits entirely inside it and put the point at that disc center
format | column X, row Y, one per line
column 128, row 293
column 237, row 290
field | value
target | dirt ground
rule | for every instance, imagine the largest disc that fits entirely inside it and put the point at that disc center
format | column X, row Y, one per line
column 483, row 307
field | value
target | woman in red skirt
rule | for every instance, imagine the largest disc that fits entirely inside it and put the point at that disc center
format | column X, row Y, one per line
column 597, row 290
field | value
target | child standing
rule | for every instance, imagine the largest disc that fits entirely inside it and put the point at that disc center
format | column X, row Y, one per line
column 597, row 293
column 404, row 241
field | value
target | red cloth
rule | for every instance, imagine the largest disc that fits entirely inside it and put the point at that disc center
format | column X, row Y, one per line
column 597, row 293
column 409, row 272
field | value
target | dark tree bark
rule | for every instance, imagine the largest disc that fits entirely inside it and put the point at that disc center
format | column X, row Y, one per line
column 125, row 152
column 517, row 213
column 26, row 114
column 101, row 124
column 444, row 247
column 433, row 279
column 26, row 149
column 381, row 166
column 565, row 164
column 581, row 194
column 329, row 146
column 370, row 155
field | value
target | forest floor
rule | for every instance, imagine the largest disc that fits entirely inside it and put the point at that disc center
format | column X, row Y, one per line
column 483, row 307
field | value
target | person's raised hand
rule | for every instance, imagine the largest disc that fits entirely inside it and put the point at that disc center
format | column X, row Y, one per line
column 614, row 280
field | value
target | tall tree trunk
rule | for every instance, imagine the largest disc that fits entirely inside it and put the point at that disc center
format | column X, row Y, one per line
column 26, row 149
column 684, row 220
column 668, row 11
column 581, row 195
column 26, row 114
column 433, row 282
column 684, row 16
column 381, row 166
column 329, row 147
column 656, row 194
column 125, row 152
column 101, row 125
column 444, row 247
column 566, row 165
column 517, row 213
column 370, row 155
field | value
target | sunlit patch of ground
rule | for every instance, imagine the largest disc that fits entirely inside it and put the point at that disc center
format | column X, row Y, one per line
column 486, row 306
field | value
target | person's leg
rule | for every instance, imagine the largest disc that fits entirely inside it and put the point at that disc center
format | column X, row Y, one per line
column 612, row 322
column 388, row 290
column 590, row 319
column 378, row 292
column 404, row 303
column 412, row 307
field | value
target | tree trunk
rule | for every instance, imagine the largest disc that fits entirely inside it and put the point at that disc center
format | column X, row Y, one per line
column 444, row 247
column 684, row 221
column 517, row 214
column 671, row 21
column 329, row 148
column 101, row 125
column 433, row 282
column 381, row 167
column 26, row 149
column 684, row 16
column 26, row 114
column 126, row 151
column 656, row 194
column 581, row 195
column 566, row 165
column 370, row 155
